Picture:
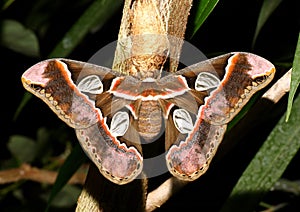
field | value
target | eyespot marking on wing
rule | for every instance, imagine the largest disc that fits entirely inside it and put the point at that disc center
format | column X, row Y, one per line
column 91, row 84
column 206, row 81
column 119, row 124
column 183, row 121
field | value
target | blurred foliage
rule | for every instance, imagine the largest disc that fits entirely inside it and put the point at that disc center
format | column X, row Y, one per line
column 295, row 79
column 17, row 38
column 204, row 8
column 34, row 30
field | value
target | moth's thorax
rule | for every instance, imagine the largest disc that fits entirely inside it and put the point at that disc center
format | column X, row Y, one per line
column 146, row 66
column 150, row 120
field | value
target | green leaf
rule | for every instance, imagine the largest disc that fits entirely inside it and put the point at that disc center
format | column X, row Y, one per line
column 15, row 36
column 97, row 13
column 6, row 4
column 22, row 148
column 43, row 147
column 266, row 10
column 295, row 78
column 67, row 197
column 70, row 166
column 27, row 96
column 204, row 8
column 268, row 164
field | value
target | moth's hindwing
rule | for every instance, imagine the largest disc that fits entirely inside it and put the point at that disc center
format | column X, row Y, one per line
column 71, row 88
column 224, row 84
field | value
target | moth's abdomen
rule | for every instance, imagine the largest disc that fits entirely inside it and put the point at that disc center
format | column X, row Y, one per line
column 150, row 120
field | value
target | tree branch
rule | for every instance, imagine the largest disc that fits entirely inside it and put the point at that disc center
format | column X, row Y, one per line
column 168, row 17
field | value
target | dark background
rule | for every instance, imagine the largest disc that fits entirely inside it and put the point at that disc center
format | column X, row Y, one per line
column 230, row 27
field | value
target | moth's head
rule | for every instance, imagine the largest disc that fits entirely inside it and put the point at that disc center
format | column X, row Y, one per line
column 144, row 75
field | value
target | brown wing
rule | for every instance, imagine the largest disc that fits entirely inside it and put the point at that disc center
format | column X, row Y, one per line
column 78, row 93
column 229, row 81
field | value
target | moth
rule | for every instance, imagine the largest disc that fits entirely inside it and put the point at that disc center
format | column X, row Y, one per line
column 113, row 114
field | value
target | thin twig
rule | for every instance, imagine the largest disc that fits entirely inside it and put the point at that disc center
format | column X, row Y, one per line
column 280, row 88
column 27, row 172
